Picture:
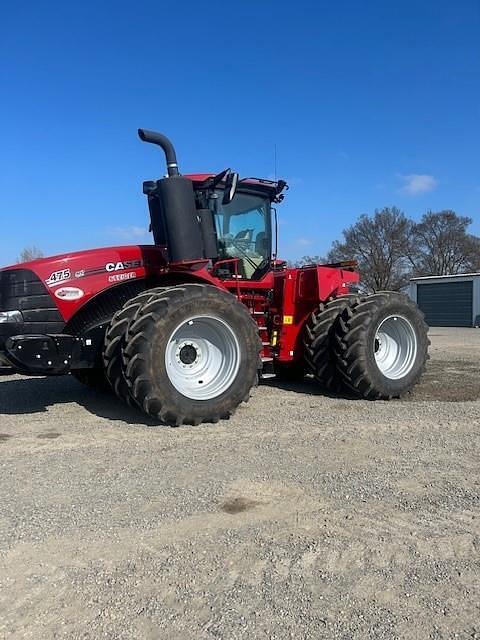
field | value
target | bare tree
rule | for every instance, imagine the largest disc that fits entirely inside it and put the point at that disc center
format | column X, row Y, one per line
column 304, row 260
column 380, row 244
column 473, row 243
column 30, row 253
column 442, row 245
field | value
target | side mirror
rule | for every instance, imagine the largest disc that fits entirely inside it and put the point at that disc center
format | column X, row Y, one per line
column 231, row 183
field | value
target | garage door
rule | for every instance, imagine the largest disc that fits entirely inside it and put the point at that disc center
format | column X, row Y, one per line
column 446, row 304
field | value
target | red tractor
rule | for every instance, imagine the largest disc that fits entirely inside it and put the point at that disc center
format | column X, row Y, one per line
column 183, row 328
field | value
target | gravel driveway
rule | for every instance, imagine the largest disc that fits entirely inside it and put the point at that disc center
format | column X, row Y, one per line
column 304, row 516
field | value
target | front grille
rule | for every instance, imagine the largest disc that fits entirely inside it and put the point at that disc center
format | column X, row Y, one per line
column 23, row 290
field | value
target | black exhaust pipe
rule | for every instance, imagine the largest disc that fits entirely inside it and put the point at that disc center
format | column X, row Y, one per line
column 173, row 210
column 158, row 138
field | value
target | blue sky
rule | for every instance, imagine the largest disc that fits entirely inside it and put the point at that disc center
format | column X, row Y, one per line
column 369, row 104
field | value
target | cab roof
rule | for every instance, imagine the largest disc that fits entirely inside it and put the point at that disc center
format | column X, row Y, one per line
column 273, row 188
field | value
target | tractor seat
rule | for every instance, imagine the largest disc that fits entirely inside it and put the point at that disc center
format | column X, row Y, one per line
column 261, row 243
column 245, row 235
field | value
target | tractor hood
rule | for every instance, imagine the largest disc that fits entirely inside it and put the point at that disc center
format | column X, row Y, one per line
column 88, row 257
column 71, row 279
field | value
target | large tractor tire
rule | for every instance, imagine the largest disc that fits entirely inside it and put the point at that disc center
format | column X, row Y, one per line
column 191, row 355
column 381, row 345
column 319, row 351
column 115, row 340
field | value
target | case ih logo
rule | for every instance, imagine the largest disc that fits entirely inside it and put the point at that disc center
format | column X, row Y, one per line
column 58, row 276
column 121, row 266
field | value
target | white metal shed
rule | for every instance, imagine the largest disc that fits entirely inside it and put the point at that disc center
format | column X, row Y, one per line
column 448, row 301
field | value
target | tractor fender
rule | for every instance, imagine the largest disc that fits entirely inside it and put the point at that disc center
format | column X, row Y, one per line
column 100, row 308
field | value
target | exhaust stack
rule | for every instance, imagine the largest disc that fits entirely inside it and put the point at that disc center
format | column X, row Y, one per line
column 173, row 211
column 162, row 141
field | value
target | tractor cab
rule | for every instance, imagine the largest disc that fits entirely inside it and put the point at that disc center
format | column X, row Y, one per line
column 242, row 223
column 212, row 217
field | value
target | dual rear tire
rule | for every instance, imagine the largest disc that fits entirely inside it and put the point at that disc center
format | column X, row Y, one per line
column 372, row 346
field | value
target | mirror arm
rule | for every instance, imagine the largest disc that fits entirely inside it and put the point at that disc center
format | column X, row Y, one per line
column 231, row 184
column 275, row 253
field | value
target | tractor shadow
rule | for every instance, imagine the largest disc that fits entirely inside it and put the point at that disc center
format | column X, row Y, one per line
column 310, row 387
column 443, row 381
column 306, row 386
column 22, row 395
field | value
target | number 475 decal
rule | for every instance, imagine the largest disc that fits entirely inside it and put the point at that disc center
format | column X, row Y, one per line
column 58, row 276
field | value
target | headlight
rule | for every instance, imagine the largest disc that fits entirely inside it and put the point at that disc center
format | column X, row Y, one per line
column 10, row 316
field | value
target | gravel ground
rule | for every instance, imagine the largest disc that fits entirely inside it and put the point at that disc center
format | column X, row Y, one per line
column 304, row 516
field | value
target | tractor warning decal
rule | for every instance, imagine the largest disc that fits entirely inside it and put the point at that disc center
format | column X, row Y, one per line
column 58, row 276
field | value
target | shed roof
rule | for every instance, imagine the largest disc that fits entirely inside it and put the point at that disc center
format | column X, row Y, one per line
column 457, row 275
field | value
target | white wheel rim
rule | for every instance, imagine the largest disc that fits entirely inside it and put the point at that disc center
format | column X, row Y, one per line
column 202, row 357
column 395, row 347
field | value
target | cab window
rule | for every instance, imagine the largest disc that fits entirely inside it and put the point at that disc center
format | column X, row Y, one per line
column 244, row 232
